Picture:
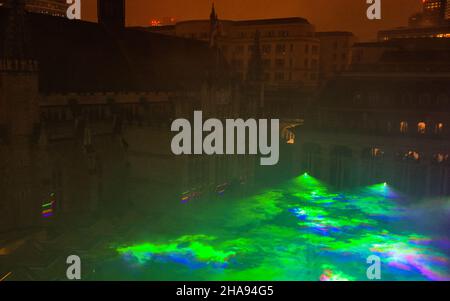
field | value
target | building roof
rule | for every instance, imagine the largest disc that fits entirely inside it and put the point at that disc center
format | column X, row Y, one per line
column 384, row 92
column 416, row 30
column 334, row 34
column 79, row 56
column 372, row 45
column 272, row 21
column 425, row 43
column 441, row 57
column 155, row 28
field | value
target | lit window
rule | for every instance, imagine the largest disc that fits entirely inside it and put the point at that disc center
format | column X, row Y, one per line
column 403, row 127
column 439, row 128
column 412, row 155
column 376, row 152
column 421, row 127
column 441, row 158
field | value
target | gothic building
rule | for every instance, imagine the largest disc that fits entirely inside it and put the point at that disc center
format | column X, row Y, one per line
column 50, row 7
column 85, row 110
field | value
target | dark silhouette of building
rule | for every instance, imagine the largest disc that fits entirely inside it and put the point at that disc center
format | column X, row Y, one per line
column 433, row 21
column 50, row 7
column 85, row 109
column 111, row 13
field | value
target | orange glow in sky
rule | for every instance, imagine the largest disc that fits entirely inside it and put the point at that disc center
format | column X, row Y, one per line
column 349, row 15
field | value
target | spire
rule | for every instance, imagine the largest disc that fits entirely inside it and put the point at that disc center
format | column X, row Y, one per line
column 16, row 49
column 213, row 15
column 255, row 68
column 214, row 27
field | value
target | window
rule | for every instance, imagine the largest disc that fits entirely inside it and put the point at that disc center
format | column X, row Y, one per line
column 306, row 48
column 441, row 158
column 424, row 99
column 281, row 48
column 422, row 128
column 412, row 155
column 403, row 127
column 266, row 48
column 315, row 49
column 279, row 63
column 442, row 99
column 239, row 49
column 376, row 152
column 250, row 49
column 439, row 129
column 372, row 153
column 279, row 76
column 266, row 63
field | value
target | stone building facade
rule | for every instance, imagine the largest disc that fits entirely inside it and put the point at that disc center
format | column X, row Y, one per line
column 89, row 125
column 387, row 121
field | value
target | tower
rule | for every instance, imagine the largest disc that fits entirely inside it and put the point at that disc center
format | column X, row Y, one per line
column 214, row 27
column 111, row 13
column 19, row 75
column 19, row 120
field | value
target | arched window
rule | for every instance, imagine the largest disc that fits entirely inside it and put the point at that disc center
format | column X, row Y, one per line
column 439, row 128
column 412, row 155
column 442, row 99
column 422, row 127
column 376, row 152
column 424, row 99
column 372, row 153
column 357, row 97
column 441, row 158
column 403, row 127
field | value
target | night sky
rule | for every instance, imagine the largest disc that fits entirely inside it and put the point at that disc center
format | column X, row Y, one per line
column 325, row 14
